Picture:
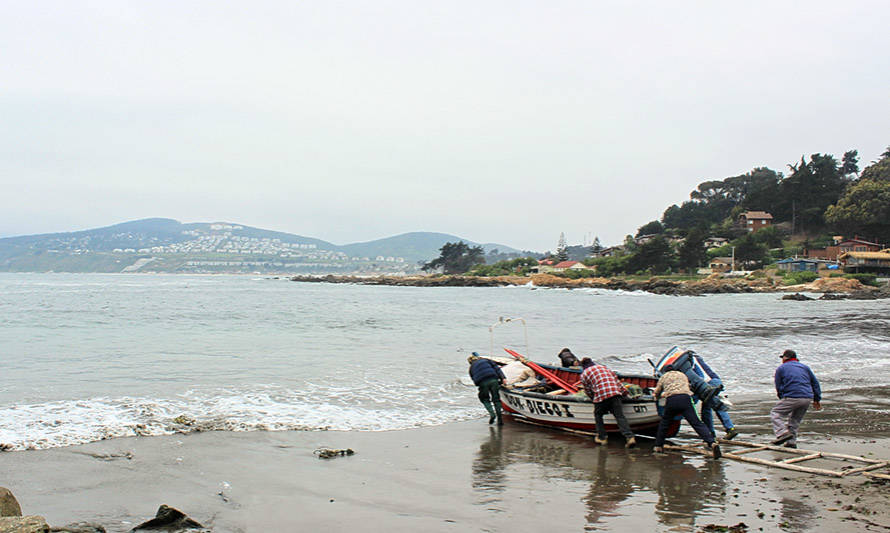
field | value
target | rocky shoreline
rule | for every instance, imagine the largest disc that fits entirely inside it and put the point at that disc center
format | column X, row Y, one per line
column 831, row 288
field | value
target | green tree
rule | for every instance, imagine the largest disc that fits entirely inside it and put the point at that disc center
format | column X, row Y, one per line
column 864, row 209
column 850, row 163
column 609, row 266
column 879, row 170
column 650, row 228
column 713, row 201
column 655, row 255
column 768, row 236
column 692, row 253
column 562, row 252
column 519, row 265
column 748, row 250
column 596, row 247
column 456, row 258
column 810, row 188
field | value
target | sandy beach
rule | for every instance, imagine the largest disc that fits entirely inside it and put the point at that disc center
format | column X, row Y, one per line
column 458, row 477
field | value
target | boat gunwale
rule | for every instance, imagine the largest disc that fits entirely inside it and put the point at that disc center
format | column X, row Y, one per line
column 572, row 399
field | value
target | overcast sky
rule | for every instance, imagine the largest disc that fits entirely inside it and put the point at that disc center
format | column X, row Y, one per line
column 504, row 122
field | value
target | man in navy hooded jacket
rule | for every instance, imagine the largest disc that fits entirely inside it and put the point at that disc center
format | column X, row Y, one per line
column 797, row 388
column 488, row 377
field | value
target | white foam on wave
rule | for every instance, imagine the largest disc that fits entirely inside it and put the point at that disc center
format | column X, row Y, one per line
column 618, row 292
column 66, row 423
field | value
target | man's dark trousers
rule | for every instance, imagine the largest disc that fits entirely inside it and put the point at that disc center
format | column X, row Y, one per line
column 489, row 395
column 611, row 405
column 681, row 404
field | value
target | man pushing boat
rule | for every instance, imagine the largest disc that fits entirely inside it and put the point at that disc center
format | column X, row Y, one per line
column 488, row 377
column 605, row 389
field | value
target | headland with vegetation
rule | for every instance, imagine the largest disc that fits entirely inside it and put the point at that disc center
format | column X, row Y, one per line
column 838, row 287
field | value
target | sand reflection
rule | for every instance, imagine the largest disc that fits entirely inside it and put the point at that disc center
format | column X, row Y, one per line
column 615, row 486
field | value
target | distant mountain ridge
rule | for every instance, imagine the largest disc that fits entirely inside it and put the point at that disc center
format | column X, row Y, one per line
column 169, row 245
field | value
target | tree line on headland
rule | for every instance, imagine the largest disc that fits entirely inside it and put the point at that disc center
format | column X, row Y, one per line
column 819, row 197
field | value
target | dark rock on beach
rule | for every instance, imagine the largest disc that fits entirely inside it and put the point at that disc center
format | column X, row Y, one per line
column 9, row 506
column 168, row 519
column 23, row 524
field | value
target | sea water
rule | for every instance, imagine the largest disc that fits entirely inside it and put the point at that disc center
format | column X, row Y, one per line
column 90, row 356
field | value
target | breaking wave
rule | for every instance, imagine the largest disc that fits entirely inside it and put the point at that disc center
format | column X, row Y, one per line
column 66, row 423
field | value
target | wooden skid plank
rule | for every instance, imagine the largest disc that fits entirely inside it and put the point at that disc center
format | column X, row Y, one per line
column 802, row 458
column 810, row 470
column 852, row 458
column 803, row 452
column 761, row 446
column 787, row 464
column 865, row 468
column 751, row 450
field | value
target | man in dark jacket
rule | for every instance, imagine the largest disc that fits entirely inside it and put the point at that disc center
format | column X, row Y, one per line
column 796, row 387
column 567, row 358
column 487, row 375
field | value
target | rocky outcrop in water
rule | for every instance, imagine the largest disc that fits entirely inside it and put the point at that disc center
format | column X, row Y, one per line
column 797, row 297
column 715, row 284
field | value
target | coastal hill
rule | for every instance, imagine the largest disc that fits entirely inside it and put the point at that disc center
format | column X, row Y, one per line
column 166, row 245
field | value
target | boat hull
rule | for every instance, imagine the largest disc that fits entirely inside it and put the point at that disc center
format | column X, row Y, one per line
column 577, row 413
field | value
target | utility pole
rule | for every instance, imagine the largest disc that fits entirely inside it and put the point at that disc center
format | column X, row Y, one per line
column 732, row 268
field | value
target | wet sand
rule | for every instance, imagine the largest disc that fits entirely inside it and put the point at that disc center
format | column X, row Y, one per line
column 460, row 477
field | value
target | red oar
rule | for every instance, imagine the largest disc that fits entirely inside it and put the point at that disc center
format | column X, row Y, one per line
column 546, row 373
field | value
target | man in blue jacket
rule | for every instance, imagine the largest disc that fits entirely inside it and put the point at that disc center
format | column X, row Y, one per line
column 796, row 387
column 708, row 408
column 488, row 377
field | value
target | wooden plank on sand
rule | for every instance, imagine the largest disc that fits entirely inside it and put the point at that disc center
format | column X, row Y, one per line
column 865, row 468
column 786, row 466
column 802, row 458
column 751, row 450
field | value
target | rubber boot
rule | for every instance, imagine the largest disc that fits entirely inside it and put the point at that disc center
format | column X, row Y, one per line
column 499, row 415
column 491, row 414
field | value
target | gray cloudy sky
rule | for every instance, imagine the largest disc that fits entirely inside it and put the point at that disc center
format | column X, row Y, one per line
column 500, row 121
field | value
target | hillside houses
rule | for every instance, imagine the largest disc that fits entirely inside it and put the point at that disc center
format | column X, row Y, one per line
column 877, row 262
column 842, row 246
column 755, row 220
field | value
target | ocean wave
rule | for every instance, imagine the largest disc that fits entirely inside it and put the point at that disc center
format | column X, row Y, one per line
column 67, row 423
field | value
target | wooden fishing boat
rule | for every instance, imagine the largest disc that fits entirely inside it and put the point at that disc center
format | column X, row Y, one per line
column 551, row 405
column 552, row 400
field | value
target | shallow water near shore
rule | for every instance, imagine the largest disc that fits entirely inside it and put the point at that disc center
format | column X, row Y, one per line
column 91, row 356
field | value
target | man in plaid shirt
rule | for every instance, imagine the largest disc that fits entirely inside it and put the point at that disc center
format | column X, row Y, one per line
column 602, row 386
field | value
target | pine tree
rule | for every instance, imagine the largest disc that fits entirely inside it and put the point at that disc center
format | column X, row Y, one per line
column 596, row 247
column 562, row 252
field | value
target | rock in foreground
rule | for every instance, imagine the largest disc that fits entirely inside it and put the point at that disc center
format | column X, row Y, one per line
column 168, row 519
column 23, row 524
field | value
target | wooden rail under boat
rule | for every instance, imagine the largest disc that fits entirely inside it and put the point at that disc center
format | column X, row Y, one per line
column 792, row 463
